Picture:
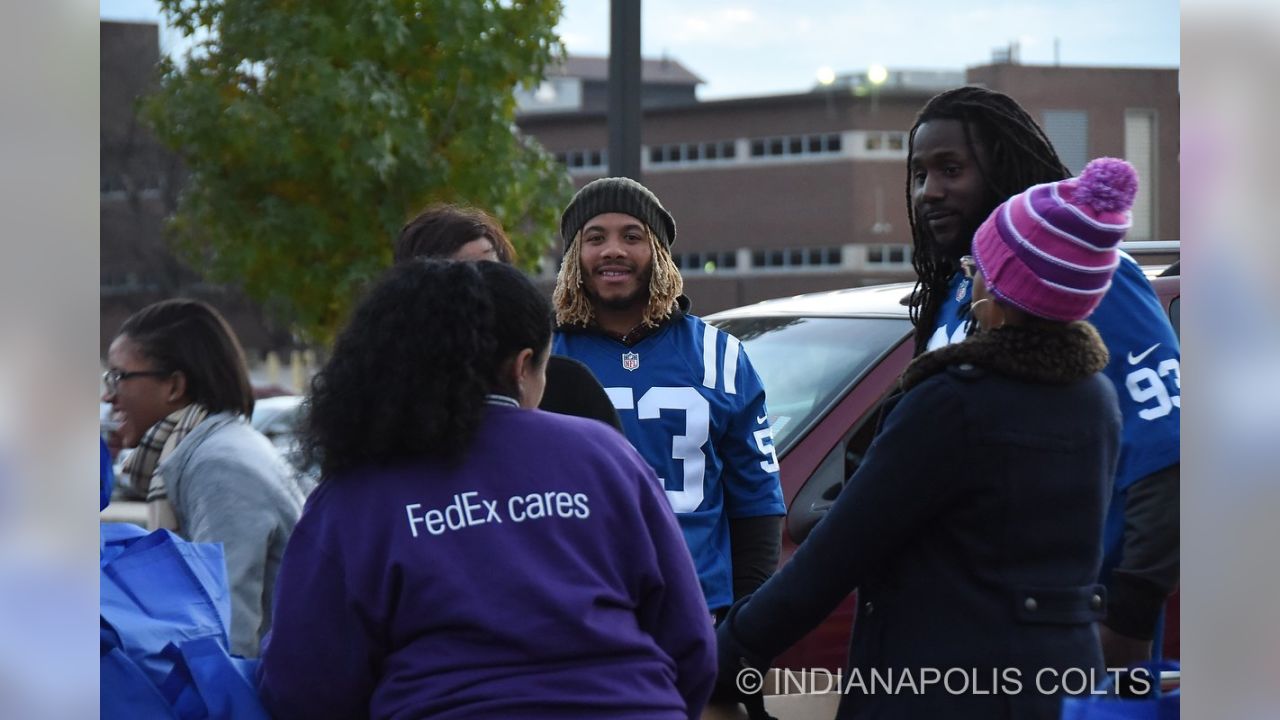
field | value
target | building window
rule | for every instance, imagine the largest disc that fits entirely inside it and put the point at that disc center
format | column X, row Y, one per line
column 1139, row 150
column 700, row 152
column 886, row 141
column 888, row 255
column 792, row 146
column 790, row 258
column 708, row 262
column 594, row 159
column 1068, row 130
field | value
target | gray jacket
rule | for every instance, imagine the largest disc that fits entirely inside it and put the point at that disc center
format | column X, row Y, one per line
column 228, row 484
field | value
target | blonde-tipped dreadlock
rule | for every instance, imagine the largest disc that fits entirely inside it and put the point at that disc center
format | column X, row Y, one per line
column 573, row 307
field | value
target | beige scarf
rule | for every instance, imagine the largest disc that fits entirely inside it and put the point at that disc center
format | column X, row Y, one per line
column 157, row 444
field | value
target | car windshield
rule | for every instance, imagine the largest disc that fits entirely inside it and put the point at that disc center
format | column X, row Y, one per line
column 809, row 363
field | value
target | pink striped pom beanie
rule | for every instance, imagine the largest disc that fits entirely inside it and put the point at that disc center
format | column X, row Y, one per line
column 1052, row 249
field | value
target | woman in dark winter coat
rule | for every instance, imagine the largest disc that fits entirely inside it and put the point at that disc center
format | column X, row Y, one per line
column 972, row 531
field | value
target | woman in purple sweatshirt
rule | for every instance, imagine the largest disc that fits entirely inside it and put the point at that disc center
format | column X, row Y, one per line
column 466, row 556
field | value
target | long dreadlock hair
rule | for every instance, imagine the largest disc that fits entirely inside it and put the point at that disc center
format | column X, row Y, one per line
column 573, row 307
column 1018, row 156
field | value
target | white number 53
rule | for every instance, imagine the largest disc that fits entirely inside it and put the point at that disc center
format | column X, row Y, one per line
column 1146, row 385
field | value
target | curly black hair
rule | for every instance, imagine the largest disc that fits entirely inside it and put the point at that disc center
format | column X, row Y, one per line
column 1018, row 155
column 409, row 374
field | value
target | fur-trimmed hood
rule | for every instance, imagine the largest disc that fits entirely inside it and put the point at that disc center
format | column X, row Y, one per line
column 1054, row 354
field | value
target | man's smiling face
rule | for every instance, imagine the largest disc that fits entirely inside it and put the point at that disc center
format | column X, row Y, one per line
column 617, row 261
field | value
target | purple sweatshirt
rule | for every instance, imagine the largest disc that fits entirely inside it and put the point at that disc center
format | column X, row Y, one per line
column 543, row 576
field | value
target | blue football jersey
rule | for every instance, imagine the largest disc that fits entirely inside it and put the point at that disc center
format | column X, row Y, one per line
column 694, row 408
column 953, row 316
column 1144, row 367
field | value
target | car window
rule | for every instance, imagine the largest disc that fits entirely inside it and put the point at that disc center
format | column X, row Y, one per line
column 808, row 363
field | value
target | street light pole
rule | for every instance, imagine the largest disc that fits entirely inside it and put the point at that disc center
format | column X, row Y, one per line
column 624, row 88
column 877, row 74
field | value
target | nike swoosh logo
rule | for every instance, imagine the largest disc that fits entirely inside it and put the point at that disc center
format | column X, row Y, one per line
column 760, row 420
column 1135, row 359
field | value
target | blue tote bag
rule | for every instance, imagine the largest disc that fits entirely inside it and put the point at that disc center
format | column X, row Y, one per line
column 158, row 589
column 126, row 693
column 208, row 683
column 165, row 613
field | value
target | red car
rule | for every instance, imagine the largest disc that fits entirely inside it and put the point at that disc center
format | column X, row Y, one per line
column 827, row 361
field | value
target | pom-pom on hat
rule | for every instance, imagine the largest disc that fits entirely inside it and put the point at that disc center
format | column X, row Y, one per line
column 1051, row 250
column 620, row 195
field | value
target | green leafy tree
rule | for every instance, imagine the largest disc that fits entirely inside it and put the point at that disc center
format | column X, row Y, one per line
column 311, row 130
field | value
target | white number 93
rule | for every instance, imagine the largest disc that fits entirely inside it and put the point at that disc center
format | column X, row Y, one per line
column 1146, row 385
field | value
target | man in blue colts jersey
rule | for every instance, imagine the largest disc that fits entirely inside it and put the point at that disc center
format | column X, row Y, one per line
column 969, row 150
column 689, row 399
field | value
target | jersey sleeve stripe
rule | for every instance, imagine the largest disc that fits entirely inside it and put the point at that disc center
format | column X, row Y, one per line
column 709, row 357
column 731, row 365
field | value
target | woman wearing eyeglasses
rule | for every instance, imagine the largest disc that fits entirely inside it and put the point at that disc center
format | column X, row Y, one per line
column 972, row 530
column 180, row 394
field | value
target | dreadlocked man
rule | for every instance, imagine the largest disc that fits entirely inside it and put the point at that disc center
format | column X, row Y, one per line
column 689, row 399
column 976, row 148
column 969, row 150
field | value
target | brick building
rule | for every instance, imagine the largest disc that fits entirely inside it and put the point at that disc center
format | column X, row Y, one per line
column 785, row 194
column 773, row 195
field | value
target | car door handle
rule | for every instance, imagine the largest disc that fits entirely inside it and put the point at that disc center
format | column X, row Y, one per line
column 827, row 499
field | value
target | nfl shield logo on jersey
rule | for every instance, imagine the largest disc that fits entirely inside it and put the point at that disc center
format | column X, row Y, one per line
column 630, row 361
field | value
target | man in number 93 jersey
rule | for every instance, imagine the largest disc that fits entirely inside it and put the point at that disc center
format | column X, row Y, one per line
column 689, row 400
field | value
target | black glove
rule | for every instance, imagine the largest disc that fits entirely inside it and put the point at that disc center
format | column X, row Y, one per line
column 732, row 685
